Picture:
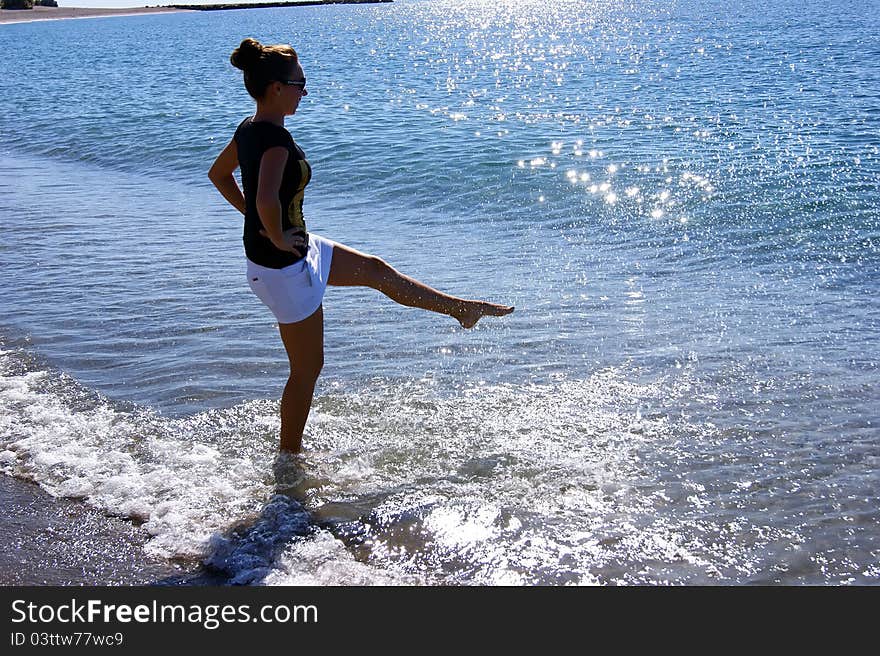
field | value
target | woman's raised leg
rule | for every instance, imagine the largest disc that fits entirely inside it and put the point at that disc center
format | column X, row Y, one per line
column 352, row 268
column 304, row 342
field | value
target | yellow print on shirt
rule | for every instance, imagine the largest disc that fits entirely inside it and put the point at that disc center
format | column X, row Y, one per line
column 294, row 210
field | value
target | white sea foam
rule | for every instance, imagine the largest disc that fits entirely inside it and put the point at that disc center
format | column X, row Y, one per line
column 324, row 560
column 489, row 485
column 133, row 464
column 418, row 478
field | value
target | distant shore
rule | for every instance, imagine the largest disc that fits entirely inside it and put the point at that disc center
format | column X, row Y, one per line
column 58, row 13
column 268, row 5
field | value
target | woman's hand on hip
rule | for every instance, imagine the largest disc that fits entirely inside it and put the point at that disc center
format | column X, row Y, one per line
column 291, row 240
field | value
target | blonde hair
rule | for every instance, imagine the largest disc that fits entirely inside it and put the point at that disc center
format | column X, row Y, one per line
column 262, row 65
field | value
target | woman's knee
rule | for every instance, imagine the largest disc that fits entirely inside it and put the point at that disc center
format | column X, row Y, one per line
column 307, row 368
column 369, row 271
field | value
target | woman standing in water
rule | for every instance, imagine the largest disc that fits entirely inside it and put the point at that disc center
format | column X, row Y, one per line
column 288, row 268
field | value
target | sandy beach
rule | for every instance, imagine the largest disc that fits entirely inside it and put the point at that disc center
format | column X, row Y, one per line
column 45, row 540
column 57, row 13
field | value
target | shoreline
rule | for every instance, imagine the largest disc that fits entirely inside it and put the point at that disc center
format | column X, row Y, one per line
column 11, row 16
column 46, row 540
column 65, row 13
column 272, row 5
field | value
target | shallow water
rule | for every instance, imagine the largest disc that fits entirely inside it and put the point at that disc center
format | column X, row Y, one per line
column 681, row 200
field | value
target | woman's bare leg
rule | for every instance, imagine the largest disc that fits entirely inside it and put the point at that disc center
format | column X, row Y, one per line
column 352, row 268
column 304, row 342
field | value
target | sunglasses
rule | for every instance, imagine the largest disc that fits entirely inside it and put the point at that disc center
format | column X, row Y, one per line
column 294, row 83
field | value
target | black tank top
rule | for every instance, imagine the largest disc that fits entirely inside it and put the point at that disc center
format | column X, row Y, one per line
column 253, row 138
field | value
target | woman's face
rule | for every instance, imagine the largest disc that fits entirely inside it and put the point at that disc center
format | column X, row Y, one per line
column 293, row 88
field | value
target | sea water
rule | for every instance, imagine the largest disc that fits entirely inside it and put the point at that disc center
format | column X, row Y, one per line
column 680, row 199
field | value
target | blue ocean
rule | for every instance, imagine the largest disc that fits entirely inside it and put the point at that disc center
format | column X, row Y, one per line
column 682, row 200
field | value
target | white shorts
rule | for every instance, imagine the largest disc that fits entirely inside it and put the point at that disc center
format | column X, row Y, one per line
column 295, row 292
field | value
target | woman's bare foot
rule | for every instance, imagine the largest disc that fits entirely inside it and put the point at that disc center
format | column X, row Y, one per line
column 472, row 311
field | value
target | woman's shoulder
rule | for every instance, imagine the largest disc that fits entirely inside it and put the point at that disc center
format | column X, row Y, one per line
column 244, row 125
column 263, row 131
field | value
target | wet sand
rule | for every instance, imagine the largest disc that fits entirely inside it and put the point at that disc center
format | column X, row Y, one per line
column 57, row 13
column 50, row 541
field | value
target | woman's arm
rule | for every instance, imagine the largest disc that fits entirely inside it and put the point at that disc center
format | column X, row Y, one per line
column 269, row 205
column 221, row 175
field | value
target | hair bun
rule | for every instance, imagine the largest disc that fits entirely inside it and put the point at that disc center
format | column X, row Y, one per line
column 247, row 54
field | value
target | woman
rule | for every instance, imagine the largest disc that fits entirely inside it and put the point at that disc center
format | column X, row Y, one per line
column 287, row 267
